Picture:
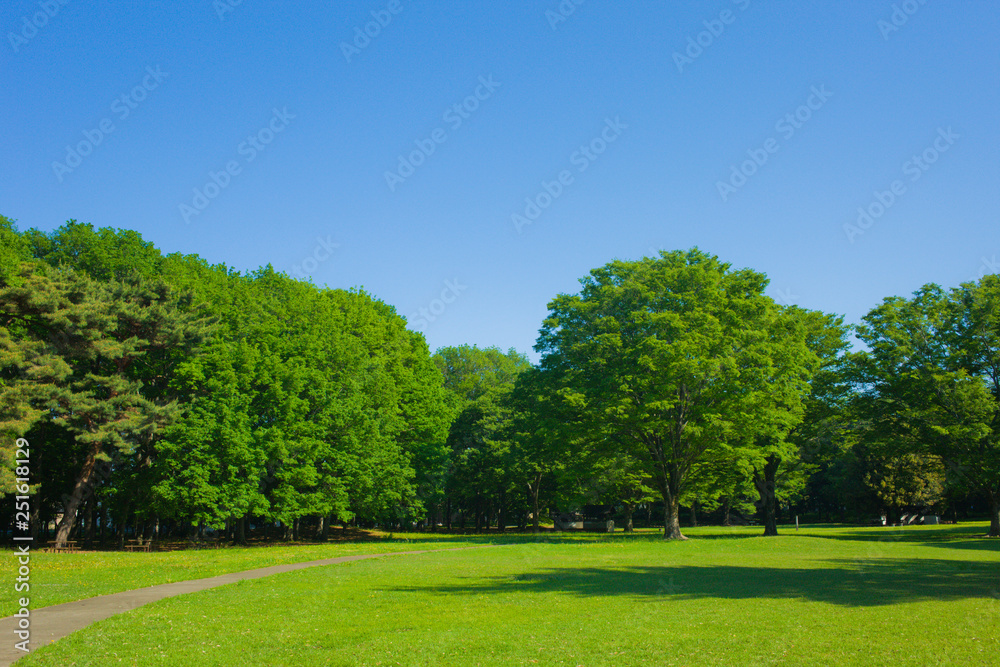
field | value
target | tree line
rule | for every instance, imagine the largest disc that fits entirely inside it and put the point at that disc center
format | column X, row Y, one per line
column 165, row 395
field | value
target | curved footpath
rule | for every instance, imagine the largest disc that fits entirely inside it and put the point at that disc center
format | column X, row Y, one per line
column 49, row 624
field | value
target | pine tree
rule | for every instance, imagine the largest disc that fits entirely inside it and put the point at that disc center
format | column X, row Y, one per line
column 95, row 359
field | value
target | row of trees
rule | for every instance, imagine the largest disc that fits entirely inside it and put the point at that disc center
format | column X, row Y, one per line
column 159, row 390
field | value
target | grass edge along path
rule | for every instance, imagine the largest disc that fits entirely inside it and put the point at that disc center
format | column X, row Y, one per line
column 50, row 624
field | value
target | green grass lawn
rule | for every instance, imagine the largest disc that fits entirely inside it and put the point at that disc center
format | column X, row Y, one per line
column 823, row 596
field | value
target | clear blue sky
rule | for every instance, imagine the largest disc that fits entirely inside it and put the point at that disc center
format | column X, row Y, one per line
column 885, row 84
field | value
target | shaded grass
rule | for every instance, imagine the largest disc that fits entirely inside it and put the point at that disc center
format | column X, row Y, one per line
column 822, row 596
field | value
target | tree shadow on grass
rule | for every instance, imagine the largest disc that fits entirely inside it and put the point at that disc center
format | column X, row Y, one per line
column 858, row 583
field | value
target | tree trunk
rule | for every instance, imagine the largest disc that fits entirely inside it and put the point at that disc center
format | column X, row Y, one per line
column 104, row 523
column 535, row 527
column 501, row 512
column 534, row 488
column 87, row 525
column 765, row 484
column 694, row 514
column 74, row 500
column 726, row 505
column 92, row 522
column 671, row 518
column 240, row 536
column 628, row 518
column 994, row 515
column 325, row 533
column 122, row 525
column 36, row 520
column 321, row 529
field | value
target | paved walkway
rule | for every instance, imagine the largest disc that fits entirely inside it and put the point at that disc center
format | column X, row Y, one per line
column 51, row 623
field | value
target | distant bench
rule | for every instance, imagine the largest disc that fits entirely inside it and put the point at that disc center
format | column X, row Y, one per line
column 138, row 545
column 70, row 545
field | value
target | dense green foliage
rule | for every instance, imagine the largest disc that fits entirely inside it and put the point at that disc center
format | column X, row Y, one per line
column 175, row 392
column 166, row 396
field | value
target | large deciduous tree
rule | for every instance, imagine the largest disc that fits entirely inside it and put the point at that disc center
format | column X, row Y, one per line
column 668, row 357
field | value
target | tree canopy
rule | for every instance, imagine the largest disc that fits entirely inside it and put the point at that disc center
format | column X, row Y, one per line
column 671, row 357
